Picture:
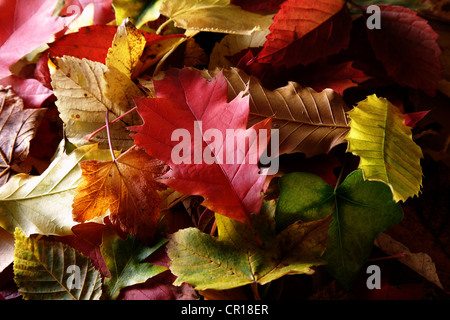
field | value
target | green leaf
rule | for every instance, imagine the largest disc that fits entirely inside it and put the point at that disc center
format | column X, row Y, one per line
column 42, row 204
column 361, row 210
column 46, row 270
column 139, row 11
column 124, row 261
column 235, row 258
column 379, row 136
column 214, row 16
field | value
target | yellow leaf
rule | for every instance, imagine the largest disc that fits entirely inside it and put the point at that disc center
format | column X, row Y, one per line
column 127, row 47
column 85, row 90
column 379, row 136
column 214, row 16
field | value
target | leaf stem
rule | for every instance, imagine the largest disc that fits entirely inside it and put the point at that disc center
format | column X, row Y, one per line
column 109, row 136
column 115, row 120
column 161, row 27
column 256, row 295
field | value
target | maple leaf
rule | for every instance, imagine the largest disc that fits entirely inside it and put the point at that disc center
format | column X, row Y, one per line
column 17, row 128
column 235, row 258
column 407, row 47
column 183, row 98
column 124, row 259
column 321, row 28
column 126, row 187
column 25, row 26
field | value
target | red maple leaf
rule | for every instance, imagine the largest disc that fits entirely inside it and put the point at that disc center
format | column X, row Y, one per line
column 183, row 100
column 305, row 31
column 25, row 26
column 407, row 47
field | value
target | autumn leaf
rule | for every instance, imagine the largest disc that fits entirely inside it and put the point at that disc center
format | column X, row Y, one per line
column 308, row 121
column 45, row 270
column 214, row 16
column 235, row 258
column 103, row 11
column 360, row 209
column 18, row 127
column 182, row 99
column 407, row 38
column 126, row 187
column 24, row 32
column 258, row 5
column 321, row 28
column 379, row 136
column 24, row 200
column 124, row 259
column 127, row 47
column 138, row 11
column 31, row 91
column 86, row 90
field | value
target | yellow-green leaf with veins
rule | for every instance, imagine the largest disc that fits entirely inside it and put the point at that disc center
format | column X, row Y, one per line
column 85, row 90
column 236, row 258
column 379, row 136
column 45, row 270
column 41, row 204
column 214, row 16
column 139, row 11
column 127, row 47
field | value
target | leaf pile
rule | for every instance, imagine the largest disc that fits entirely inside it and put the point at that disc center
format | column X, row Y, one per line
column 137, row 140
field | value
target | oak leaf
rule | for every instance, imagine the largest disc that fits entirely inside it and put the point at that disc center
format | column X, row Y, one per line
column 126, row 187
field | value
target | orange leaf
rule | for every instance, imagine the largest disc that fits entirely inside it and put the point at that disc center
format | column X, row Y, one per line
column 126, row 187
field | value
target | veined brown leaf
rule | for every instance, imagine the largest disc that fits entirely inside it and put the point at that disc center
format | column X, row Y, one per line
column 17, row 129
column 308, row 121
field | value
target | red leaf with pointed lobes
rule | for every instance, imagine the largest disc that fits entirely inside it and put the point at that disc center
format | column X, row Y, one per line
column 183, row 99
column 407, row 47
column 305, row 31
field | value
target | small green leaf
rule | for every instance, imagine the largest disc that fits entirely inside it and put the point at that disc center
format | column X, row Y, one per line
column 124, row 261
column 361, row 210
column 379, row 136
column 46, row 270
column 236, row 258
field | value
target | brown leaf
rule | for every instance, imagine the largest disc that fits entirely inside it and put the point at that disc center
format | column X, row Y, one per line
column 310, row 122
column 17, row 128
column 126, row 187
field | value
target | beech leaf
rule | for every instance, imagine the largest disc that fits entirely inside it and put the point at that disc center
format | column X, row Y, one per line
column 126, row 187
column 379, row 136
column 308, row 121
column 45, row 270
column 407, row 47
column 235, row 258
